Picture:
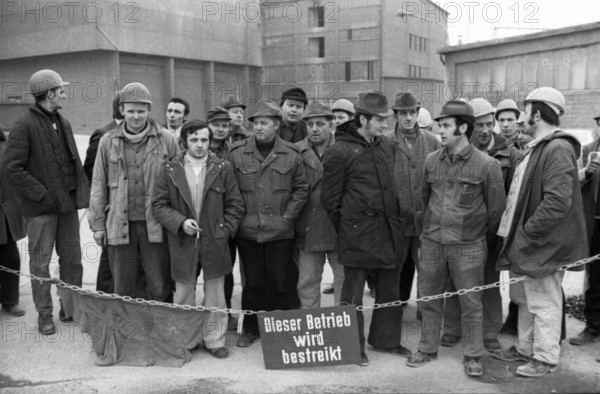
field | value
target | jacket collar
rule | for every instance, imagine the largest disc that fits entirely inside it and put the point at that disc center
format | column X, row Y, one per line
column 154, row 131
column 464, row 154
column 347, row 132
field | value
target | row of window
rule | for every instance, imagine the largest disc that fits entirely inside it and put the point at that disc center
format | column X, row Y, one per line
column 417, row 43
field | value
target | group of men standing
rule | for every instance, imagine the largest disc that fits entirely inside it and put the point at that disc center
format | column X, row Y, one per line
column 311, row 184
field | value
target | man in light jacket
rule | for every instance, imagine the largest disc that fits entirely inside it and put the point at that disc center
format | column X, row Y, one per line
column 128, row 160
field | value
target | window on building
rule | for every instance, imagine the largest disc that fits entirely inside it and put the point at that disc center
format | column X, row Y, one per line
column 316, row 16
column 417, row 43
column 361, row 71
column 415, row 71
column 316, row 47
column 349, row 36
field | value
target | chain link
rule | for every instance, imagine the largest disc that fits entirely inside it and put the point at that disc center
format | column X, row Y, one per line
column 396, row 303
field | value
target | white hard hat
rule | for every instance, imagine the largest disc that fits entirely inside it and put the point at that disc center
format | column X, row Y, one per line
column 481, row 107
column 424, row 118
column 549, row 96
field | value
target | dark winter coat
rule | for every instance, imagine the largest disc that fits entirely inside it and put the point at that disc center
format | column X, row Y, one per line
column 10, row 205
column 222, row 210
column 359, row 195
column 92, row 150
column 548, row 229
column 34, row 168
column 589, row 188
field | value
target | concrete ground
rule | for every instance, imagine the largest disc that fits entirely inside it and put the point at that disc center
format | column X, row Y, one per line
column 64, row 362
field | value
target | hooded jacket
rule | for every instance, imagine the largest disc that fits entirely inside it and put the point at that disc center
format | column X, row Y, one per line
column 359, row 195
column 548, row 229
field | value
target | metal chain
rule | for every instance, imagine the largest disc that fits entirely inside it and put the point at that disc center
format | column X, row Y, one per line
column 142, row 301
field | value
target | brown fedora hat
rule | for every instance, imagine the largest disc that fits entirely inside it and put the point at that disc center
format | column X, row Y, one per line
column 373, row 103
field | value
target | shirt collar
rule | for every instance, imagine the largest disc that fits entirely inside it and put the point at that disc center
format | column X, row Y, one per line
column 464, row 154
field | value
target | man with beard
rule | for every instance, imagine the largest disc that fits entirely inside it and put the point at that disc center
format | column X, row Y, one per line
column 543, row 228
column 496, row 146
column 361, row 200
column 43, row 166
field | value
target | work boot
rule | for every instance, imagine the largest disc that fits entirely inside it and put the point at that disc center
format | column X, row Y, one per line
column 364, row 360
column 420, row 358
column 13, row 310
column 535, row 369
column 585, row 337
column 511, row 355
column 473, row 367
column 46, row 325
column 491, row 345
column 449, row 340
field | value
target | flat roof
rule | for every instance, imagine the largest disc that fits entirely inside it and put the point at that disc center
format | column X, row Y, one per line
column 524, row 37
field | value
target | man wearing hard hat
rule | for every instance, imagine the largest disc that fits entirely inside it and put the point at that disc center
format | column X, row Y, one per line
column 506, row 115
column 543, row 228
column 128, row 160
column 43, row 165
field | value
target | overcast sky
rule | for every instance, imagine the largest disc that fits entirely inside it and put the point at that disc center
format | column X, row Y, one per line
column 477, row 20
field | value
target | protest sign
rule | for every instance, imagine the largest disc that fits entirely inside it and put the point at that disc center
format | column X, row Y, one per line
column 309, row 337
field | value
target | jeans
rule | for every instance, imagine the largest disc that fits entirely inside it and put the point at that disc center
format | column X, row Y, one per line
column 215, row 327
column 464, row 265
column 491, row 300
column 386, row 323
column 310, row 266
column 45, row 232
column 153, row 258
column 540, row 314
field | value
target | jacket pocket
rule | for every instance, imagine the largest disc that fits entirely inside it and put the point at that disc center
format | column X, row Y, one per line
column 468, row 190
column 281, row 178
column 247, row 177
column 220, row 229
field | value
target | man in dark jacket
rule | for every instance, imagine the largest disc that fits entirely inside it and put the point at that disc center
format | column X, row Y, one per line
column 43, row 165
column 104, row 279
column 292, row 127
column 544, row 228
column 12, row 229
column 589, row 177
column 464, row 199
column 271, row 178
column 360, row 198
column 316, row 238
column 218, row 122
column 196, row 198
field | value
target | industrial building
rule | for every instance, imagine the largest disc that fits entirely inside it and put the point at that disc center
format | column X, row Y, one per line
column 566, row 59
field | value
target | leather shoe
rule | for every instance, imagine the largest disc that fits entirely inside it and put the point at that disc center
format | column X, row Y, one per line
column 420, row 358
column 364, row 360
column 510, row 355
column 13, row 310
column 247, row 340
column 449, row 340
column 491, row 345
column 63, row 317
column 473, row 367
column 46, row 327
column 219, row 352
column 328, row 290
column 585, row 337
column 397, row 351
